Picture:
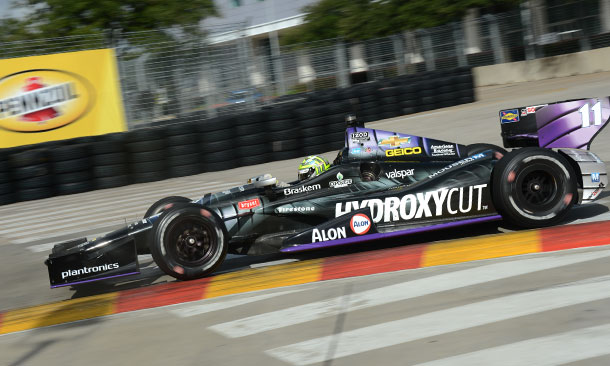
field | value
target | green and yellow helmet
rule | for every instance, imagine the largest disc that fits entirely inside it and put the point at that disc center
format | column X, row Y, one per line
column 313, row 166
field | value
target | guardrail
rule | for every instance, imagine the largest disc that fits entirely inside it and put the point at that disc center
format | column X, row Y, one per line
column 309, row 124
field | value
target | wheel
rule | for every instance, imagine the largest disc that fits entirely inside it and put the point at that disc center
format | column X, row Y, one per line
column 477, row 148
column 188, row 242
column 143, row 240
column 533, row 187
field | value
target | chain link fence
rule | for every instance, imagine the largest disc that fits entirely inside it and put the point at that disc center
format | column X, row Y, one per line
column 172, row 75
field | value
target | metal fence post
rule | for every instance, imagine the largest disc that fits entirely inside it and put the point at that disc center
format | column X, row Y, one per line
column 278, row 67
column 459, row 43
column 496, row 39
column 528, row 34
column 399, row 54
column 341, row 60
column 428, row 50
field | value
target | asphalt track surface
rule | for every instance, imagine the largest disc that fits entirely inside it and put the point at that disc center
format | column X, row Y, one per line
column 28, row 230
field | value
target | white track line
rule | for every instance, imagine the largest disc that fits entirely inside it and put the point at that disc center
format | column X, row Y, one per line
column 398, row 292
column 444, row 321
column 554, row 350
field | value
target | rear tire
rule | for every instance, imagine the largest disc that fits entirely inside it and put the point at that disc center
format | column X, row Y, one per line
column 533, row 187
column 188, row 242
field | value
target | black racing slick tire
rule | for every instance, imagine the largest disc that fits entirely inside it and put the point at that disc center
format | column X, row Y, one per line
column 533, row 187
column 188, row 242
column 477, row 148
column 143, row 240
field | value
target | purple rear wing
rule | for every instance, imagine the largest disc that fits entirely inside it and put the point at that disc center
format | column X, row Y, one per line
column 568, row 124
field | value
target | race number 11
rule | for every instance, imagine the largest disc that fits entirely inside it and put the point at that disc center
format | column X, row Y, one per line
column 597, row 114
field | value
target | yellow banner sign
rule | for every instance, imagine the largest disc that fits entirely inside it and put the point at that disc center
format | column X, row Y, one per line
column 61, row 96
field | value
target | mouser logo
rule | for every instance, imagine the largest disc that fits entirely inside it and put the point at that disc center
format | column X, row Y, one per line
column 301, row 189
column 85, row 270
column 416, row 206
column 328, row 234
column 458, row 163
column 442, row 150
column 400, row 173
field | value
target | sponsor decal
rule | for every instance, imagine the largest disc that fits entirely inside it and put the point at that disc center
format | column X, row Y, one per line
column 595, row 177
column 328, row 234
column 416, row 206
column 301, row 189
column 509, row 116
column 403, row 151
column 368, row 150
column 87, row 270
column 287, row 209
column 458, row 163
column 442, row 150
column 360, row 224
column 523, row 112
column 359, row 137
column 356, row 150
column 340, row 182
column 249, row 204
column 400, row 173
column 395, row 141
column 42, row 100
column 531, row 110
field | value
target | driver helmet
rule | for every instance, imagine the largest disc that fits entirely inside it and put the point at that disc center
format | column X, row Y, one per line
column 312, row 166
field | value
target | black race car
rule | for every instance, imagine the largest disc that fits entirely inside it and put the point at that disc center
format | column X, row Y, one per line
column 382, row 184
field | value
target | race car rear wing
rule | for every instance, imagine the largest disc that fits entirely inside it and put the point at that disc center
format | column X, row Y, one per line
column 567, row 124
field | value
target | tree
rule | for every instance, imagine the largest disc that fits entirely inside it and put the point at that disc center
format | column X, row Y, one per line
column 356, row 20
column 53, row 18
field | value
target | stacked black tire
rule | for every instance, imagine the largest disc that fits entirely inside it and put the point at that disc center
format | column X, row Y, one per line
column 32, row 174
column 217, row 146
column 183, row 150
column 284, row 131
column 71, row 169
column 7, row 188
column 146, row 155
column 252, row 139
column 109, row 161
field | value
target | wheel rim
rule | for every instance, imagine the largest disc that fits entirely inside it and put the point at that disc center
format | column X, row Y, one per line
column 537, row 189
column 192, row 241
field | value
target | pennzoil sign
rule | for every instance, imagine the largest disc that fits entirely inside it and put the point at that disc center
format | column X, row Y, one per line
column 43, row 100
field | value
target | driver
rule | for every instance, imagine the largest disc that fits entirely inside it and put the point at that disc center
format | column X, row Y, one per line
column 312, row 166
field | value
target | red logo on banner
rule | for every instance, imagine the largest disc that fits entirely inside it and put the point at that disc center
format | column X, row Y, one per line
column 249, row 204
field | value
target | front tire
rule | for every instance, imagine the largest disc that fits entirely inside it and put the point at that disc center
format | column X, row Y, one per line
column 188, row 242
column 533, row 187
column 163, row 204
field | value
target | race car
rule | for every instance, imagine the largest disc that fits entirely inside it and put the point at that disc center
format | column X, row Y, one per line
column 382, row 184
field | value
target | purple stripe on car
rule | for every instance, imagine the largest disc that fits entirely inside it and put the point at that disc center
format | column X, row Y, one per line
column 95, row 279
column 298, row 248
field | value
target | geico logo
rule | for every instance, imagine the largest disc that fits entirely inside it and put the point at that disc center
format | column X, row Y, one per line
column 416, row 206
column 301, row 189
column 328, row 234
column 403, row 151
column 85, row 270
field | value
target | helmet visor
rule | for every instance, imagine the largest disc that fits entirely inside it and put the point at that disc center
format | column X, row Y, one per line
column 306, row 173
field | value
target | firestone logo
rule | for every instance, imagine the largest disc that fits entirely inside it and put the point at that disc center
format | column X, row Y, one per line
column 416, row 206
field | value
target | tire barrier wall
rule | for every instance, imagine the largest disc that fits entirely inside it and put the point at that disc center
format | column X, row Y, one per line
column 313, row 123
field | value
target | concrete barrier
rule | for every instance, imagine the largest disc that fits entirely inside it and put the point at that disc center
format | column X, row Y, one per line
column 586, row 62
